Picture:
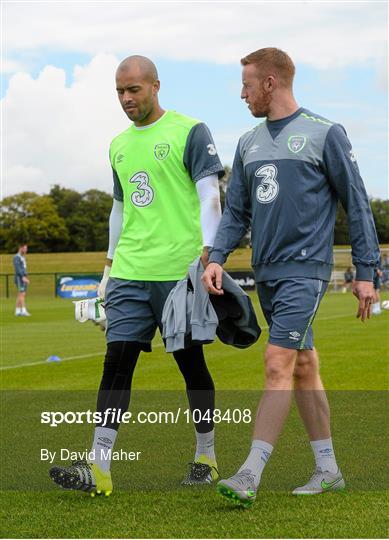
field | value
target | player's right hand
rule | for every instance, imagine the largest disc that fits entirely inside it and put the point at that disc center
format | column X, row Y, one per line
column 103, row 282
column 364, row 291
column 212, row 278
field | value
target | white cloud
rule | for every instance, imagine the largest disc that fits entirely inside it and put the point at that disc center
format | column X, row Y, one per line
column 58, row 134
column 322, row 34
column 10, row 66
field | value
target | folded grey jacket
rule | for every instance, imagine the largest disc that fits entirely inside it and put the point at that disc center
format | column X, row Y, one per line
column 189, row 316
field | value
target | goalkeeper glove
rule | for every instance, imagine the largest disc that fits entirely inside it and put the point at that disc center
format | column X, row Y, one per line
column 91, row 310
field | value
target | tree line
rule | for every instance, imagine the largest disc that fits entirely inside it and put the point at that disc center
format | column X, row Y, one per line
column 66, row 220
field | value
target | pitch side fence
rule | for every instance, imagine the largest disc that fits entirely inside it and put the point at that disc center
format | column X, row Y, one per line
column 44, row 283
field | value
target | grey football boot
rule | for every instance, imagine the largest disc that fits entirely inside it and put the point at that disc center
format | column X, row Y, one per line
column 239, row 488
column 321, row 482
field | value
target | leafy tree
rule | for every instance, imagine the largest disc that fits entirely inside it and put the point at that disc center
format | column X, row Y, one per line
column 66, row 200
column 89, row 223
column 66, row 220
column 223, row 184
column 380, row 210
column 86, row 216
column 31, row 218
column 341, row 227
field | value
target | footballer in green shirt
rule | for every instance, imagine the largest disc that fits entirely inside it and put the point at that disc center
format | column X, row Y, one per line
column 165, row 213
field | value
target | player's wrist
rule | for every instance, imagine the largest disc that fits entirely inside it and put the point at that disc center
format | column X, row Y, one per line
column 107, row 271
column 216, row 257
column 103, row 282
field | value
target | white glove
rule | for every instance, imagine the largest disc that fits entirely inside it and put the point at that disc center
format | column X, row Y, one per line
column 103, row 282
column 91, row 309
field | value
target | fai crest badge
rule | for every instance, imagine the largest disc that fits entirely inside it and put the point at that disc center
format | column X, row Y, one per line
column 161, row 150
column 296, row 143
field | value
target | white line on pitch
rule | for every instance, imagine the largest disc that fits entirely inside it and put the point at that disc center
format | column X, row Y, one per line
column 157, row 346
column 80, row 357
column 28, row 364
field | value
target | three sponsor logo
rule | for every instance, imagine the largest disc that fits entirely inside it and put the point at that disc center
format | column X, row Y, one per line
column 144, row 193
column 268, row 188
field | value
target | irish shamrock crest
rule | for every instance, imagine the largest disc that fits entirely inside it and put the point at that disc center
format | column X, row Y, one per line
column 296, row 143
column 161, row 150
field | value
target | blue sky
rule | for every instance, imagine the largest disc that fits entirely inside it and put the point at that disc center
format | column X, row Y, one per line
column 59, row 103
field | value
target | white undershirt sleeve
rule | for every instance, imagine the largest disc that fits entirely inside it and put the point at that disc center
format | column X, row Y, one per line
column 210, row 209
column 115, row 226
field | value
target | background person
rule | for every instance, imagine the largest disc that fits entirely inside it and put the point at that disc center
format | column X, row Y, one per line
column 21, row 281
column 287, row 177
column 348, row 280
column 165, row 213
column 378, row 274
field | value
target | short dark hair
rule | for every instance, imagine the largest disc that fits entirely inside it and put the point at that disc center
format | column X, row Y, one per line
column 271, row 59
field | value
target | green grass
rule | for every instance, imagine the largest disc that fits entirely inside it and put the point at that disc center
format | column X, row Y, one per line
column 147, row 501
column 94, row 261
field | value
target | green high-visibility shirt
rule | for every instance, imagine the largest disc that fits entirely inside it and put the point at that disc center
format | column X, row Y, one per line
column 155, row 169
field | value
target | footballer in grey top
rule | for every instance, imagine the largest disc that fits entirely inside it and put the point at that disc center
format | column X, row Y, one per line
column 287, row 178
column 20, row 267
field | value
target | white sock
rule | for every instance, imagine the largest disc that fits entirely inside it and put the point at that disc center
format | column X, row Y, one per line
column 24, row 310
column 205, row 445
column 376, row 308
column 257, row 459
column 18, row 311
column 104, row 440
column 324, row 455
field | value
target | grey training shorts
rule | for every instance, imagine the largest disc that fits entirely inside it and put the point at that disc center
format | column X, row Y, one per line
column 21, row 286
column 134, row 309
column 289, row 306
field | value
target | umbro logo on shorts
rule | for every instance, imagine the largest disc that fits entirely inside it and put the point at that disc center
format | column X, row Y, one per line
column 294, row 335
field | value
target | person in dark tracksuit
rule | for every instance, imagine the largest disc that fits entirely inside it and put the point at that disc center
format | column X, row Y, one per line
column 377, row 278
column 21, row 281
column 348, row 279
column 288, row 174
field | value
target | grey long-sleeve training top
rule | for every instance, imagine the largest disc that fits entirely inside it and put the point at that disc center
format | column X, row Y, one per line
column 20, row 265
column 287, row 178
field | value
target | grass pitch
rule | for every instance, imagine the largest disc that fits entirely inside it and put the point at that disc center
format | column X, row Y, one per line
column 147, row 500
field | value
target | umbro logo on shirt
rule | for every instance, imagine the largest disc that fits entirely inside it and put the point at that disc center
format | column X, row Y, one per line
column 253, row 149
column 119, row 158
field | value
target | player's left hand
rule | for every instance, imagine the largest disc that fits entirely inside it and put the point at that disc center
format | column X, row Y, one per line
column 364, row 291
column 212, row 278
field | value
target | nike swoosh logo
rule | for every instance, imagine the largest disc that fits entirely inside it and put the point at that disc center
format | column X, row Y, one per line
column 329, row 485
